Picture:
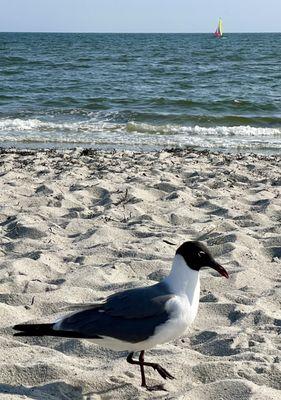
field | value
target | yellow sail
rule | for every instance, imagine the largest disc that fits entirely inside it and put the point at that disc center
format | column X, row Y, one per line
column 220, row 28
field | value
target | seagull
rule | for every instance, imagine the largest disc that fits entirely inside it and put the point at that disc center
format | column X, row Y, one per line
column 137, row 320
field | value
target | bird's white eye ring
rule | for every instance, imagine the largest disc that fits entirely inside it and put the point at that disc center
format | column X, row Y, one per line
column 201, row 254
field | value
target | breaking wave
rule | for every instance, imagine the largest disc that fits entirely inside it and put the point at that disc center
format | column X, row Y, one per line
column 136, row 135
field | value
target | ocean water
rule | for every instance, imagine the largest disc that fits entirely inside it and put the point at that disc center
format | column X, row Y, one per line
column 141, row 91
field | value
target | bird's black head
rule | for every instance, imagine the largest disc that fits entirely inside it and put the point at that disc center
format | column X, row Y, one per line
column 197, row 256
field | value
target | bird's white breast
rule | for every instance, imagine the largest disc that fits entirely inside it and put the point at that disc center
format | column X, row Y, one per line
column 183, row 282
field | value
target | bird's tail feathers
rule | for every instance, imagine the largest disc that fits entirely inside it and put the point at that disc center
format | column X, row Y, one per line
column 48, row 330
column 34, row 330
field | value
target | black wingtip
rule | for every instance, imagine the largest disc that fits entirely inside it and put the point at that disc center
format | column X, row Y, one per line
column 19, row 327
column 33, row 329
column 47, row 330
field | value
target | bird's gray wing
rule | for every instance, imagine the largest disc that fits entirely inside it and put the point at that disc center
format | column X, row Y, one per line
column 130, row 316
column 138, row 303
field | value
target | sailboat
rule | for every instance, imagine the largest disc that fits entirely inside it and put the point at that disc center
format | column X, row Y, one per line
column 219, row 31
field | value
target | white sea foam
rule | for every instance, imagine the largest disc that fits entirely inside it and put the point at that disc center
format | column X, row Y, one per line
column 199, row 130
column 34, row 125
column 18, row 125
column 95, row 132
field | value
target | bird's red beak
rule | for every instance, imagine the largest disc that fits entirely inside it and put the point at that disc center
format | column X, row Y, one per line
column 220, row 269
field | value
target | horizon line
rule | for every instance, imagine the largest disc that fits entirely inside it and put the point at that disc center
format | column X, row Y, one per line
column 139, row 33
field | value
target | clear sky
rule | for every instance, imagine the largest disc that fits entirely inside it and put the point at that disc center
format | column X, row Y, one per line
column 139, row 15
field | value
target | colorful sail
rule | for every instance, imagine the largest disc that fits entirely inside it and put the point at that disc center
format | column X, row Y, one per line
column 219, row 30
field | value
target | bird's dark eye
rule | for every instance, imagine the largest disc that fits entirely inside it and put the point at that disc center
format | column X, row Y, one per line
column 201, row 254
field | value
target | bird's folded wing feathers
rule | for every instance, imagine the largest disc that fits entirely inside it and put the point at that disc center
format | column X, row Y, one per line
column 136, row 303
column 131, row 315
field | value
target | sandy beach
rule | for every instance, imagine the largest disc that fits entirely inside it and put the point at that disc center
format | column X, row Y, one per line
column 78, row 225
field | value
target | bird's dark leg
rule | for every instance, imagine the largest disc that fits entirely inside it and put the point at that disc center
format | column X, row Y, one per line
column 141, row 360
column 130, row 360
column 161, row 371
